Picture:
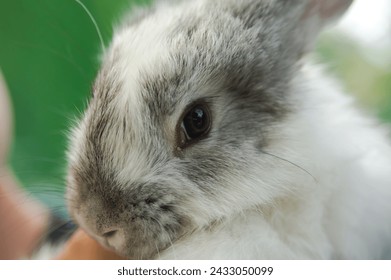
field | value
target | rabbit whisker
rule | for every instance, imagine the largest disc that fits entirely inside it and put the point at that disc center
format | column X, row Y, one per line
column 292, row 163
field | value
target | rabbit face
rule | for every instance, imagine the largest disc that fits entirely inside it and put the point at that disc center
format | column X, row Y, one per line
column 184, row 108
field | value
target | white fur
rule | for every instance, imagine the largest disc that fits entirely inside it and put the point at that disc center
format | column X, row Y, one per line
column 343, row 212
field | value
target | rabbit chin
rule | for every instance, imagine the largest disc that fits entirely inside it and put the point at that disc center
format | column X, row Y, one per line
column 336, row 205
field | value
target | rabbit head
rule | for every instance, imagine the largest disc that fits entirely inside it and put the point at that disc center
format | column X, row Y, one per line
column 185, row 113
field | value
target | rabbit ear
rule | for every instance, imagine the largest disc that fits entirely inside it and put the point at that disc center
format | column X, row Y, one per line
column 325, row 10
column 297, row 22
column 314, row 15
column 317, row 14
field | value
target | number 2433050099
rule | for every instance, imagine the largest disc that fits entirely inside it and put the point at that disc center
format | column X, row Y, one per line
column 241, row 270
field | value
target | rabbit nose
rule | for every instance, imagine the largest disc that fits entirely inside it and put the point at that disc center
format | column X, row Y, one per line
column 115, row 238
column 109, row 234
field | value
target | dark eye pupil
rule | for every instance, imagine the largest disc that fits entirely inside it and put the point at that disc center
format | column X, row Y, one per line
column 198, row 118
column 196, row 122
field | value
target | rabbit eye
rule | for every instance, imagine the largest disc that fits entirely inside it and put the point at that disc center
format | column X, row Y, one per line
column 196, row 122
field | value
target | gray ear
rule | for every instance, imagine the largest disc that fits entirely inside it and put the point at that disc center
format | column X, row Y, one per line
column 327, row 10
column 316, row 15
column 298, row 21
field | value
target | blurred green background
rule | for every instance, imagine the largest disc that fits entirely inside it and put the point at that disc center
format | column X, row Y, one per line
column 49, row 53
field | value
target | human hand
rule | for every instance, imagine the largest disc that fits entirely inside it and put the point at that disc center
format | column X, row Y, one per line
column 22, row 219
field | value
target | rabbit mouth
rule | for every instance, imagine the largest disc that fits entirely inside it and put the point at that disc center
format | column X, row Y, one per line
column 137, row 231
column 149, row 242
column 144, row 239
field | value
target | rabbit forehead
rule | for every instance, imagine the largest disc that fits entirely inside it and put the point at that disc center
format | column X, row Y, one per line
column 165, row 63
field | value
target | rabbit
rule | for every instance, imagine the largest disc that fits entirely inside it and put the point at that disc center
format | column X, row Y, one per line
column 212, row 134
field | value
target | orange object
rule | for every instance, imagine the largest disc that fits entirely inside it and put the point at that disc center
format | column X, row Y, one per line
column 82, row 247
